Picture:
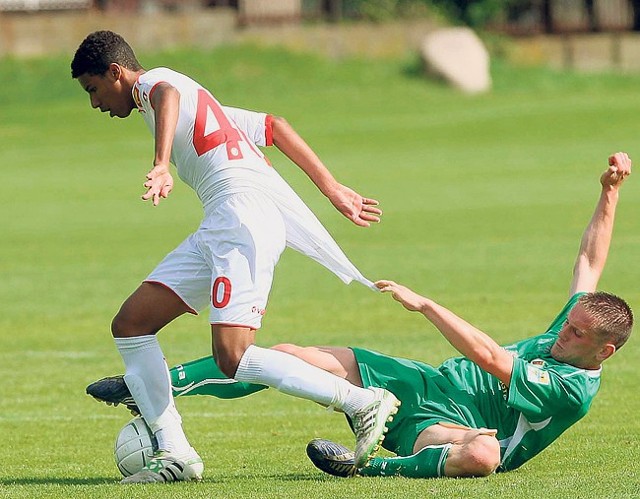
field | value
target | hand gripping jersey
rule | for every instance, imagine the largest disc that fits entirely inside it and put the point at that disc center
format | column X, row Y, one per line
column 545, row 397
column 215, row 151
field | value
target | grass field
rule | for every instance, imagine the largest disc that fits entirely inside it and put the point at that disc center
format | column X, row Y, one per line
column 485, row 200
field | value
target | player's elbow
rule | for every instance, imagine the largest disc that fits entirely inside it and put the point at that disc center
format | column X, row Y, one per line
column 496, row 361
column 487, row 359
column 586, row 275
column 280, row 122
column 280, row 129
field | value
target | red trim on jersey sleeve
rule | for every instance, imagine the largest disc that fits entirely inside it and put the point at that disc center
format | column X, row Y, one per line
column 268, row 129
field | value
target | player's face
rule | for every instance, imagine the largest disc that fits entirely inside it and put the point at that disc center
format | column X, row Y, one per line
column 577, row 344
column 107, row 93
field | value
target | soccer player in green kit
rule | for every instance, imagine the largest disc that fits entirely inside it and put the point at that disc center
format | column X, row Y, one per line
column 490, row 410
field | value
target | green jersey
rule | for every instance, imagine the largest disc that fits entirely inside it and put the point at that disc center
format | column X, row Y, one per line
column 545, row 397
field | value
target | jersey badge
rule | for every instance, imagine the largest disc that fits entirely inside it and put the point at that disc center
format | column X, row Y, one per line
column 537, row 362
column 537, row 375
column 136, row 97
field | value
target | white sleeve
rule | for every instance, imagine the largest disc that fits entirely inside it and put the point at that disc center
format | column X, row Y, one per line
column 257, row 126
column 143, row 90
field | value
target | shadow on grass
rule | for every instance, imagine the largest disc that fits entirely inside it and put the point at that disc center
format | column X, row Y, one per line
column 281, row 477
column 413, row 69
column 292, row 477
column 303, row 477
column 59, row 481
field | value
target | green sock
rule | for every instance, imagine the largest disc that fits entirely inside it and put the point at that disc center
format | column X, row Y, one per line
column 204, row 377
column 426, row 463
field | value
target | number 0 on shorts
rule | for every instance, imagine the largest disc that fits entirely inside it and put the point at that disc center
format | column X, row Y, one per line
column 221, row 292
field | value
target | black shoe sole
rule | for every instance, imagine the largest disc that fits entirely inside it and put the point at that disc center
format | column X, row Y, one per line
column 112, row 390
column 332, row 458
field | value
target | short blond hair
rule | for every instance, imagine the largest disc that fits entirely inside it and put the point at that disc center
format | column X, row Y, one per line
column 612, row 316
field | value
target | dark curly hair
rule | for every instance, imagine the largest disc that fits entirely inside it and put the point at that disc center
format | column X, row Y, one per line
column 100, row 49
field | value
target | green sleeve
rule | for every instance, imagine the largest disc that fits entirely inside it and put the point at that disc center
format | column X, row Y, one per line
column 540, row 393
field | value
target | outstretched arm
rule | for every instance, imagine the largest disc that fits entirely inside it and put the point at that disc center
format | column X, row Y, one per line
column 166, row 103
column 594, row 247
column 360, row 210
column 467, row 339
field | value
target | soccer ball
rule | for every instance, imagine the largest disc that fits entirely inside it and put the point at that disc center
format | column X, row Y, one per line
column 134, row 446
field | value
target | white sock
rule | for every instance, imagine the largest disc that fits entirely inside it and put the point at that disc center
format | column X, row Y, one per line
column 293, row 376
column 170, row 435
column 149, row 382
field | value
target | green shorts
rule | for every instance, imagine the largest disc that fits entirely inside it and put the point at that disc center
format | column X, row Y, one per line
column 427, row 397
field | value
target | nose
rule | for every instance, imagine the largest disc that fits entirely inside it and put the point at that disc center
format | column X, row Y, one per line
column 94, row 101
column 563, row 333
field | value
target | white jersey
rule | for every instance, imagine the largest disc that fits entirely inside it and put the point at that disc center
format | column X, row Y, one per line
column 215, row 151
column 215, row 148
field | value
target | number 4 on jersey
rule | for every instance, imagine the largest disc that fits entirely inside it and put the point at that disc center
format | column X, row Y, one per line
column 225, row 134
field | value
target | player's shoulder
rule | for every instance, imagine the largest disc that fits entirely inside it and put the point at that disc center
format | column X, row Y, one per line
column 579, row 374
column 580, row 385
column 157, row 74
column 163, row 74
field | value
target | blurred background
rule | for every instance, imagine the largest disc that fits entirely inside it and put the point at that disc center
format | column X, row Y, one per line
column 582, row 34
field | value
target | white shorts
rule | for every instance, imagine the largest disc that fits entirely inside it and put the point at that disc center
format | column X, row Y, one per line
column 228, row 262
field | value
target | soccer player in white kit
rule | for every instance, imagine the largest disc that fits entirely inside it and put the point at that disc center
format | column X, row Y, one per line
column 250, row 216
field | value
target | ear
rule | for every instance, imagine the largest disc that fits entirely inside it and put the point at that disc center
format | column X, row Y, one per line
column 606, row 351
column 114, row 72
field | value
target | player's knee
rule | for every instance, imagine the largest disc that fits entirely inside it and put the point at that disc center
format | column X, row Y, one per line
column 120, row 325
column 482, row 456
column 125, row 325
column 289, row 348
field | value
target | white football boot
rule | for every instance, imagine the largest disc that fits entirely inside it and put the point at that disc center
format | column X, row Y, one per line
column 164, row 467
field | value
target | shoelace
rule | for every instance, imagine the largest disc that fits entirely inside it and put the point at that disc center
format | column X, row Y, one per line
column 365, row 420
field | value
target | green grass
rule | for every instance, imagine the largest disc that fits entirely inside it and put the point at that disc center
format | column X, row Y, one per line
column 485, row 200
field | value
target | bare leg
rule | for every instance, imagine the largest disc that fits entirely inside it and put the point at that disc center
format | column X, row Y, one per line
column 229, row 343
column 474, row 452
column 443, row 450
column 279, row 368
column 337, row 360
column 151, row 307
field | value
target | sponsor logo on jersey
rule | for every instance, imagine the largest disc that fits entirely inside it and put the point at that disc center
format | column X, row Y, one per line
column 504, row 390
column 538, row 362
column 537, row 375
column 258, row 310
